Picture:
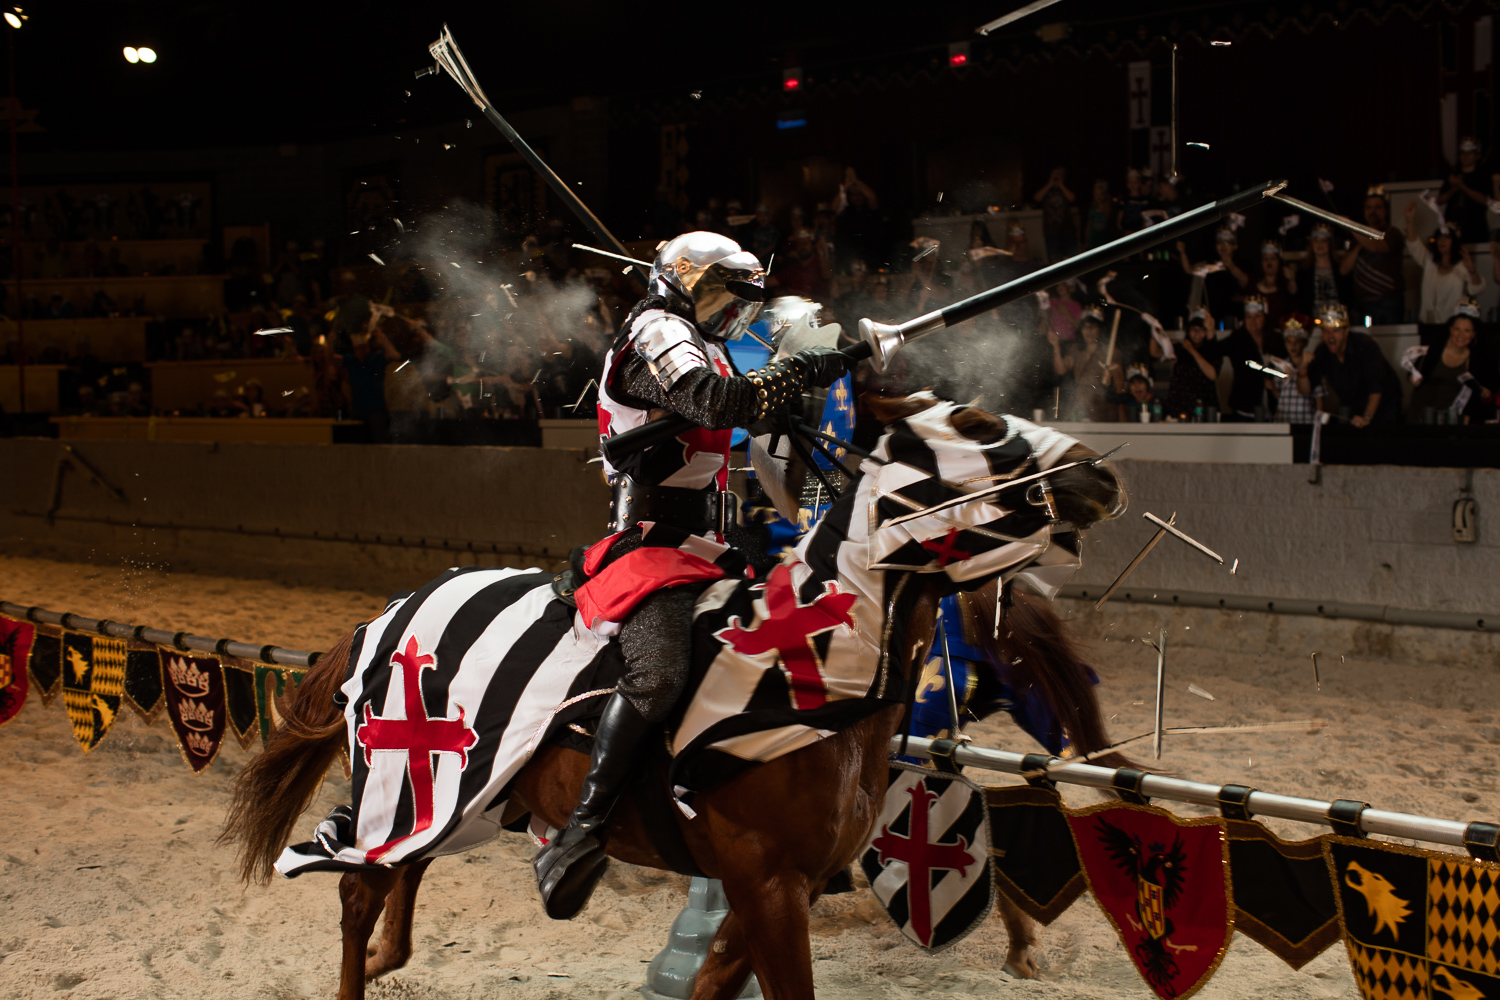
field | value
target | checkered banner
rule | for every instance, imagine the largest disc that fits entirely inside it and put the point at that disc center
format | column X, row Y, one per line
column 1419, row 925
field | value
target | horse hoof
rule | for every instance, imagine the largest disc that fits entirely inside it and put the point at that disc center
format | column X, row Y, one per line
column 1023, row 968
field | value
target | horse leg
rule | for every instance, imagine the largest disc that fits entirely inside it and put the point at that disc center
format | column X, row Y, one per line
column 773, row 911
column 1021, row 930
column 363, row 895
column 727, row 967
column 395, row 936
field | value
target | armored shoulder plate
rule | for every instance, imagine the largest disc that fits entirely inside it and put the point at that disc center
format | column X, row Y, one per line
column 670, row 346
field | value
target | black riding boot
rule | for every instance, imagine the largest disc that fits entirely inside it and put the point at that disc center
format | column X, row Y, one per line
column 569, row 867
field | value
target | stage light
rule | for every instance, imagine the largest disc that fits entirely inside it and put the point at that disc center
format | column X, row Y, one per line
column 791, row 79
column 958, row 54
column 131, row 55
column 12, row 20
column 147, row 55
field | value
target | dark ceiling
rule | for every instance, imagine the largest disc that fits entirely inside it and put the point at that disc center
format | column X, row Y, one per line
column 277, row 72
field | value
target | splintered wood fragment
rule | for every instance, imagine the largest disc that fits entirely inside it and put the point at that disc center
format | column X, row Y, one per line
column 1161, row 681
column 1317, row 681
column 1160, row 534
column 1167, row 526
column 1195, row 689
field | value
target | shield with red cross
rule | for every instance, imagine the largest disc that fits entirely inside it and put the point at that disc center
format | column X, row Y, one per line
column 928, row 861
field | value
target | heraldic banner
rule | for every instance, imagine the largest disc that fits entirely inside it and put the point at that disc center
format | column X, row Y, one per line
column 928, row 863
column 194, row 688
column 15, row 653
column 1164, row 884
column 93, row 685
column 1419, row 925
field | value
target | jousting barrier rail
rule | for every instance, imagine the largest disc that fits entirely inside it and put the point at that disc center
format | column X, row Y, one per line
column 1347, row 816
column 1479, row 838
column 162, row 637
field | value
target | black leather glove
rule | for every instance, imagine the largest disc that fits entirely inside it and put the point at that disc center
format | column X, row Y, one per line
column 825, row 365
column 782, row 381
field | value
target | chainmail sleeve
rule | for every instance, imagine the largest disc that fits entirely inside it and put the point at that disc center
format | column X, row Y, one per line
column 708, row 399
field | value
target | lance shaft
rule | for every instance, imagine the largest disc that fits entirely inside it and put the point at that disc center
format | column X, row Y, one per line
column 448, row 55
column 884, row 339
column 879, row 341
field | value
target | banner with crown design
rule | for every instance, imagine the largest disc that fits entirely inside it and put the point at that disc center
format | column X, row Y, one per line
column 194, row 691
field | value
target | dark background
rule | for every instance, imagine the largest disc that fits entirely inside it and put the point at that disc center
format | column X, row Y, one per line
column 280, row 104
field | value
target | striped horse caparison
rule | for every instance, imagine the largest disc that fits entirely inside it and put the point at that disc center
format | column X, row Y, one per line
column 774, row 832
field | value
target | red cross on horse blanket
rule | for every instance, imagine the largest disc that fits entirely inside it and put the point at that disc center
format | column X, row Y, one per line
column 451, row 690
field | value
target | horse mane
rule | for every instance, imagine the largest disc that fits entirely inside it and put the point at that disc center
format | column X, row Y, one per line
column 1039, row 653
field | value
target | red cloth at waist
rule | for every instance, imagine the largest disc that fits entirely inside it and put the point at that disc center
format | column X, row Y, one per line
column 606, row 599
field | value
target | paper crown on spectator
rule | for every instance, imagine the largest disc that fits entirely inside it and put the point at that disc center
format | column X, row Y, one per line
column 1468, row 144
column 1293, row 326
column 1467, row 307
column 1321, row 231
column 1375, row 191
column 1138, row 371
column 1196, row 315
column 1093, row 313
column 1255, row 304
column 1015, row 229
column 1268, row 247
column 1334, row 315
column 1226, row 235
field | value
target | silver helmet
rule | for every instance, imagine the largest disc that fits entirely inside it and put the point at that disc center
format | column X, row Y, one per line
column 724, row 284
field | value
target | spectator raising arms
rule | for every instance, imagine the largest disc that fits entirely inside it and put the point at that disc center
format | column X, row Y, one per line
column 1355, row 370
column 1444, row 379
column 1448, row 273
column 1196, row 369
column 1463, row 197
column 1056, row 202
column 1088, row 384
column 1322, row 282
column 1374, row 266
column 1276, row 283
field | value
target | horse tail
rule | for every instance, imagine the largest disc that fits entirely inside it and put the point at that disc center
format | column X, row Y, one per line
column 1039, row 654
column 279, row 783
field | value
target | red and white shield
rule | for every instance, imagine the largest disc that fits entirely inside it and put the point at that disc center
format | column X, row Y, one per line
column 928, row 861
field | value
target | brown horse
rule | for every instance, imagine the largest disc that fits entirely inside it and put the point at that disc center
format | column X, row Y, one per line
column 773, row 835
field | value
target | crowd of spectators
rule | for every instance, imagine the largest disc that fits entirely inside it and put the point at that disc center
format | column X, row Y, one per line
column 1207, row 330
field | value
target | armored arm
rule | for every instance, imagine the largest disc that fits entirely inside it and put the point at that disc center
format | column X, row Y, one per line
column 669, row 367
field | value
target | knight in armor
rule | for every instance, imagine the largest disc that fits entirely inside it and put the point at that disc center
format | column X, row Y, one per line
column 670, row 511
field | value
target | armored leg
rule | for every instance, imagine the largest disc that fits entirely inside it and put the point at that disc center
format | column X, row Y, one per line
column 656, row 645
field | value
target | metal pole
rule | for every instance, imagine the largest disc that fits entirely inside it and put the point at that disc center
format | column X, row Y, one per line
column 1175, row 143
column 162, row 637
column 1381, row 821
column 15, row 224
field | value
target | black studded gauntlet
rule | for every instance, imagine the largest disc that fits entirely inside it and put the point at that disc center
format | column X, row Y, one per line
column 782, row 381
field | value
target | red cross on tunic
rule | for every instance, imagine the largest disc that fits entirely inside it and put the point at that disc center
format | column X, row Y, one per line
column 922, row 858
column 945, row 550
column 788, row 628
column 417, row 736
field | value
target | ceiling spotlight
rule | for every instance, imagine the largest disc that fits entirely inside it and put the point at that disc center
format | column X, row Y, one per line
column 146, row 55
column 12, row 20
column 131, row 55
